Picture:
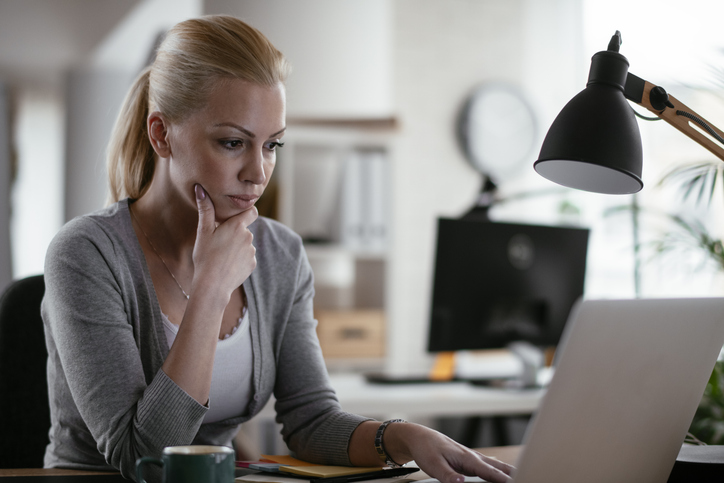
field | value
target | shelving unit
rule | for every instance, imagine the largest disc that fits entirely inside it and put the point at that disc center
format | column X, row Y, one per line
column 332, row 184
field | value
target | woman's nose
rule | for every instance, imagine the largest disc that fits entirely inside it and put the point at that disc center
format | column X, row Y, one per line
column 253, row 169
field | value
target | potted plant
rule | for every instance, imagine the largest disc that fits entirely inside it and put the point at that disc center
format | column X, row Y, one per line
column 700, row 181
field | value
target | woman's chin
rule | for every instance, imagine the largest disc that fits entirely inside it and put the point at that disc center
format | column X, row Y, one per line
column 221, row 217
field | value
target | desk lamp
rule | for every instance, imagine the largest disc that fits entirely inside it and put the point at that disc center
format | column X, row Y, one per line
column 595, row 145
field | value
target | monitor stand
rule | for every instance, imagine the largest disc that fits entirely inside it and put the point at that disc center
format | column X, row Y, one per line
column 533, row 359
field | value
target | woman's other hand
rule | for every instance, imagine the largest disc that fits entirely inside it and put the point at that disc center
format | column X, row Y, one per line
column 434, row 453
column 223, row 253
column 441, row 457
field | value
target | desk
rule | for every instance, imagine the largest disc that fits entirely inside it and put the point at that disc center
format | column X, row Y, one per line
column 413, row 402
column 55, row 475
column 418, row 401
column 509, row 454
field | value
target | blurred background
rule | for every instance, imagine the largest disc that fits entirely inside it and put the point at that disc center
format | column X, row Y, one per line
column 373, row 157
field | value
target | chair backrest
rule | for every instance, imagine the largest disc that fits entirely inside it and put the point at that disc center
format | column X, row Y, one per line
column 24, row 409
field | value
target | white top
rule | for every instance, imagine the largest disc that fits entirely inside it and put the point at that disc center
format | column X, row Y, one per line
column 231, row 382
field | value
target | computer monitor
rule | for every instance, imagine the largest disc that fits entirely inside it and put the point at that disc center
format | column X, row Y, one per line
column 497, row 283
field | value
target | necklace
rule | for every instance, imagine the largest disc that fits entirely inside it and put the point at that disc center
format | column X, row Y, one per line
column 158, row 254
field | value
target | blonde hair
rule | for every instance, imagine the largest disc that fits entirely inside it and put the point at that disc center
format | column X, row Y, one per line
column 194, row 55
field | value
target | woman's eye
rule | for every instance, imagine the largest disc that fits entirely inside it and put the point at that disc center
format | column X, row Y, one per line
column 231, row 144
column 273, row 145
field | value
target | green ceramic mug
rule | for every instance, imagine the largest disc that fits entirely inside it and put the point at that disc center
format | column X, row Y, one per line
column 192, row 464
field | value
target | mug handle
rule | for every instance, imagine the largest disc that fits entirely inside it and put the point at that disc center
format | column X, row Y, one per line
column 140, row 462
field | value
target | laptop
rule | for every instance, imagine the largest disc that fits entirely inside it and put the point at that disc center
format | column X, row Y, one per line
column 629, row 377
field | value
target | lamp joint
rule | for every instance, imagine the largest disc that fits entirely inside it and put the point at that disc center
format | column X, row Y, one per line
column 659, row 99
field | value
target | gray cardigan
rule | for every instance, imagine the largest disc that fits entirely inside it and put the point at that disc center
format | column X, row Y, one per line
column 110, row 401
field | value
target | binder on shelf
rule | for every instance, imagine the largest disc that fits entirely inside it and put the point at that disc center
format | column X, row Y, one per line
column 351, row 216
column 378, row 202
column 364, row 200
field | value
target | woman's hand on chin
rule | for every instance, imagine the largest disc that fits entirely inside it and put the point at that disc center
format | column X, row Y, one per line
column 223, row 253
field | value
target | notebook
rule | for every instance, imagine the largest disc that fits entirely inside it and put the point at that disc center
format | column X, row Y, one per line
column 629, row 377
column 287, row 469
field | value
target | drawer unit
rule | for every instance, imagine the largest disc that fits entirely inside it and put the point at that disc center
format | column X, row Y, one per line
column 351, row 333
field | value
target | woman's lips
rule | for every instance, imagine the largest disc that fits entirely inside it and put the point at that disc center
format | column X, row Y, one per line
column 243, row 202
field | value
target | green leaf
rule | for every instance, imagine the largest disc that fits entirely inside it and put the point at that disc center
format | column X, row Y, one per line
column 700, row 178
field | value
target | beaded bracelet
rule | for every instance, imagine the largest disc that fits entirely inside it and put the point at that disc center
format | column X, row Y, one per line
column 379, row 447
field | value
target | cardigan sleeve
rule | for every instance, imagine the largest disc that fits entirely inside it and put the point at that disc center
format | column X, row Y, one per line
column 96, row 379
column 313, row 424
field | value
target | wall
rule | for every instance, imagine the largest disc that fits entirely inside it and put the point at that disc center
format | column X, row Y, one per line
column 340, row 52
column 37, row 193
column 441, row 51
column 93, row 99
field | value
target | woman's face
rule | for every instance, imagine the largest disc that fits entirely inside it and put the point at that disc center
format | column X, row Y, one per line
column 229, row 146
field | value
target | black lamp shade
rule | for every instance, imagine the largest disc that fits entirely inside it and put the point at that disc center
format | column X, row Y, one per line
column 595, row 144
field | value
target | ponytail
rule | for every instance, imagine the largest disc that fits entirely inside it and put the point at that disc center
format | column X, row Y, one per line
column 131, row 158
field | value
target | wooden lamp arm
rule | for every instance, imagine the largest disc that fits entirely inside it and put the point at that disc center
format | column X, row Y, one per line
column 675, row 112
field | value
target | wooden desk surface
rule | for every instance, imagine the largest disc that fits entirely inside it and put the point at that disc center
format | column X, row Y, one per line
column 54, row 475
column 509, row 454
column 49, row 472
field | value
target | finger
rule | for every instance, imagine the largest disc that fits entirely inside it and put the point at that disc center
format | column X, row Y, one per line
column 205, row 206
column 246, row 218
column 491, row 473
column 487, row 473
column 446, row 473
column 450, row 476
column 474, row 464
column 250, row 215
column 501, row 465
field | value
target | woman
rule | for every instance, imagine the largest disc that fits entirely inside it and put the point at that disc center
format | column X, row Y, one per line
column 172, row 315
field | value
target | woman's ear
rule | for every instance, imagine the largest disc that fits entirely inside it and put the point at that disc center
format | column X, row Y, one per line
column 157, row 127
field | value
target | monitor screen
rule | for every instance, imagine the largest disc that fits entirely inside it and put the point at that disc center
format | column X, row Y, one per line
column 497, row 283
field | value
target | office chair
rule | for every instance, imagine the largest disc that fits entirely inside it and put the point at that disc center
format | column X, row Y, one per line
column 24, row 409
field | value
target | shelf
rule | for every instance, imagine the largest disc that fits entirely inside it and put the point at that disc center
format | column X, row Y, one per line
column 371, row 124
column 316, row 250
column 333, row 190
